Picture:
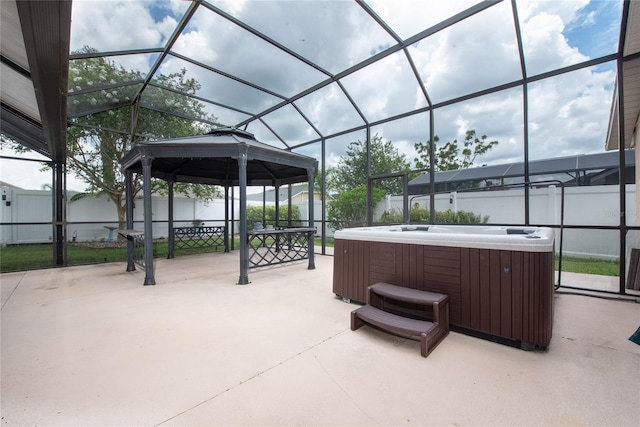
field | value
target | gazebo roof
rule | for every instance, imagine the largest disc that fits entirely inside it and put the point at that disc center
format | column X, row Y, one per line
column 212, row 159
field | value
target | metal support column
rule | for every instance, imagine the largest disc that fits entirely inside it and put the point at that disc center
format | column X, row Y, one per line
column 226, row 218
column 233, row 219
column 277, row 200
column 323, row 192
column 368, row 176
column 59, row 214
column 622, row 180
column 148, row 222
column 311, row 175
column 131, row 265
column 244, row 248
column 172, row 237
column 406, row 212
column 432, row 169
column 289, row 206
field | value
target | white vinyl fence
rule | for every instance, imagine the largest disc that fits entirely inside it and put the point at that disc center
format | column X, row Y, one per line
column 93, row 219
column 583, row 206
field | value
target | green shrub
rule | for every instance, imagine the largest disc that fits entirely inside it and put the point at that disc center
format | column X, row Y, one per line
column 349, row 209
column 460, row 217
column 394, row 216
column 255, row 215
column 418, row 215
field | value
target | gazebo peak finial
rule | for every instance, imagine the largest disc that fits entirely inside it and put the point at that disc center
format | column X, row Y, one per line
column 227, row 130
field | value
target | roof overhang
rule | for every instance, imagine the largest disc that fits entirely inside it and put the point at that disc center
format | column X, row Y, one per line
column 630, row 84
column 35, row 65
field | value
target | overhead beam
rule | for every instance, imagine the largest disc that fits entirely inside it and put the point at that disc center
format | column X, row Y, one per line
column 46, row 28
column 23, row 129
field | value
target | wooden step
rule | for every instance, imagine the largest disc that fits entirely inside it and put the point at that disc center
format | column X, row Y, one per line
column 399, row 325
column 400, row 293
column 428, row 333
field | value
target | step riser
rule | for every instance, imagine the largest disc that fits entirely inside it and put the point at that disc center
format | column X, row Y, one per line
column 430, row 334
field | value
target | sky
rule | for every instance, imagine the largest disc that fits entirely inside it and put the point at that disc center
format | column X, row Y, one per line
column 567, row 115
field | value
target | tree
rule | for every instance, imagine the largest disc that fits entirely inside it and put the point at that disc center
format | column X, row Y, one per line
column 351, row 171
column 349, row 181
column 349, row 209
column 449, row 156
column 96, row 147
column 319, row 178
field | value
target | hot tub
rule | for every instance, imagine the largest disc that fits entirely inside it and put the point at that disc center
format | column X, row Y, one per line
column 500, row 280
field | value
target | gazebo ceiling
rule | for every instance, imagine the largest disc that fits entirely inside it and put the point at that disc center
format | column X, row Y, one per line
column 213, row 159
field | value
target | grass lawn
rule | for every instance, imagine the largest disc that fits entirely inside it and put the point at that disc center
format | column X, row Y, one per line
column 31, row 257
column 589, row 266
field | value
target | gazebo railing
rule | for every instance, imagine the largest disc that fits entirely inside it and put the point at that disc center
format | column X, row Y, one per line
column 137, row 238
column 200, row 237
column 277, row 246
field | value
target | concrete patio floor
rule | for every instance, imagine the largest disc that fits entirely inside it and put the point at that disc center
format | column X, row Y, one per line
column 91, row 346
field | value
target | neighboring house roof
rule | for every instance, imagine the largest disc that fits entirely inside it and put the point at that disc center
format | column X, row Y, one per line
column 7, row 185
column 582, row 162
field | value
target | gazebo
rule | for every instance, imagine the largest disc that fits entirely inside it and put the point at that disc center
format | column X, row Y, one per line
column 226, row 157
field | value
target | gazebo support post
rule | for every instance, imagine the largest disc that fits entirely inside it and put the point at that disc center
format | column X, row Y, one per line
column 226, row 218
column 233, row 219
column 289, row 206
column 131, row 265
column 311, row 177
column 172, row 237
column 148, row 222
column 244, row 247
column 276, row 198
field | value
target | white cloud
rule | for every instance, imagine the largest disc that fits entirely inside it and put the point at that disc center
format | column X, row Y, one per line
column 476, row 54
column 567, row 114
column 113, row 25
column 29, row 175
column 589, row 19
column 570, row 113
column 385, row 89
column 409, row 17
column 329, row 110
column 545, row 46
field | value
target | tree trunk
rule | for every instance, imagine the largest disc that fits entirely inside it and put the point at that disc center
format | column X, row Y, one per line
column 122, row 216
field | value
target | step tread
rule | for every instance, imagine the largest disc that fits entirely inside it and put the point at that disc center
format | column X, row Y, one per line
column 391, row 322
column 407, row 294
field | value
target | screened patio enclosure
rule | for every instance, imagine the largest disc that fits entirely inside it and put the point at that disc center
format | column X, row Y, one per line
column 547, row 79
column 224, row 157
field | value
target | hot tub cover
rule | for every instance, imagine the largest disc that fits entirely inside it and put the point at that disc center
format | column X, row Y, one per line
column 524, row 239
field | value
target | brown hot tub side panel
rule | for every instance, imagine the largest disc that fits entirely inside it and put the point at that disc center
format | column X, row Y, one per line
column 358, row 264
column 506, row 294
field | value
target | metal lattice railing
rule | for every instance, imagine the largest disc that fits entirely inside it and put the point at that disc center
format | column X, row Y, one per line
column 137, row 238
column 271, row 247
column 138, row 248
column 199, row 237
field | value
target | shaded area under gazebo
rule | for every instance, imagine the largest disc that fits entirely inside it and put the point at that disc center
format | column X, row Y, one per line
column 227, row 157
